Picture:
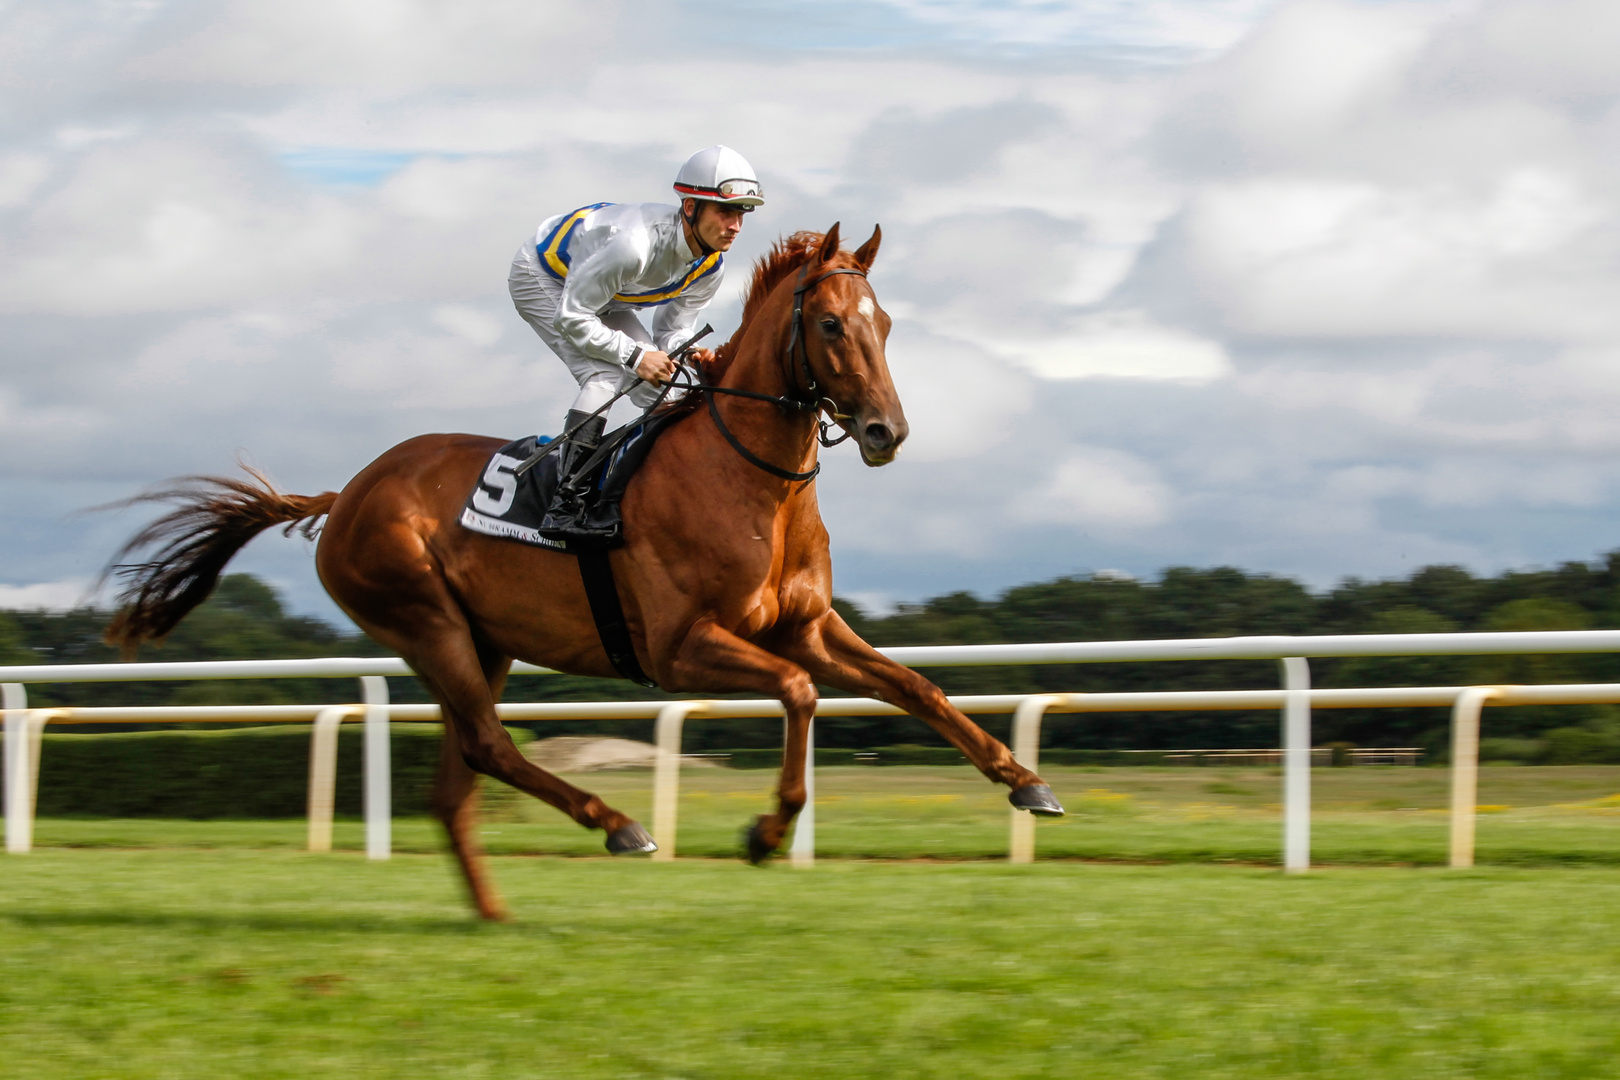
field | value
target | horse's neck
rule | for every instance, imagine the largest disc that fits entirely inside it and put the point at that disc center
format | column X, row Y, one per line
column 760, row 366
column 757, row 365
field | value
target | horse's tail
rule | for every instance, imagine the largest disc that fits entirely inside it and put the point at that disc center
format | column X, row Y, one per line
column 215, row 517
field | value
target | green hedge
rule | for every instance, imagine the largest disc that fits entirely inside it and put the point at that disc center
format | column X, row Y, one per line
column 1580, row 746
column 933, row 755
column 883, row 755
column 1061, row 756
column 241, row 773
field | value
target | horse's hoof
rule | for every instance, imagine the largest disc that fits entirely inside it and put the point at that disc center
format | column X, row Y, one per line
column 1037, row 799
column 754, row 845
column 631, row 839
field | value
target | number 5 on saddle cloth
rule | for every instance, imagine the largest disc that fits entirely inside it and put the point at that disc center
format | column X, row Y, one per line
column 510, row 505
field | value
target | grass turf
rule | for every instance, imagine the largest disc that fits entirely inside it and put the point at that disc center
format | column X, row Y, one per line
column 221, row 964
column 1534, row 816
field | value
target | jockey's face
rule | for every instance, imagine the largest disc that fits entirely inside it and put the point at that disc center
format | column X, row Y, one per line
column 717, row 224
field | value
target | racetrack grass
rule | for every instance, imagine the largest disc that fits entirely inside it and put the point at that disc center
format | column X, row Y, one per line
column 222, row 964
column 1534, row 816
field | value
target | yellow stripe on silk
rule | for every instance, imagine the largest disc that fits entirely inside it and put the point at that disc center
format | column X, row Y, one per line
column 554, row 260
column 557, row 242
column 674, row 289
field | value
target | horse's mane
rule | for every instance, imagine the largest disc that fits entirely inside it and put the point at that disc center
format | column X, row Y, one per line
column 785, row 256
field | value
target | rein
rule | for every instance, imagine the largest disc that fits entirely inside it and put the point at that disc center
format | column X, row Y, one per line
column 812, row 402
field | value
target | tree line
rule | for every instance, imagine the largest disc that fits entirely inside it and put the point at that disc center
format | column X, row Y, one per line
column 246, row 619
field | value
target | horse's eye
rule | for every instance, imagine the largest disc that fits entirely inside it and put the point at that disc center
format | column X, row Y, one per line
column 831, row 326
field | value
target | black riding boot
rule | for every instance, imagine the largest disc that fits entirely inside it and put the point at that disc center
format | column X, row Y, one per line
column 565, row 519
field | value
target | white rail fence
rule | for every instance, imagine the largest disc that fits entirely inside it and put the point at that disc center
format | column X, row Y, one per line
column 1295, row 700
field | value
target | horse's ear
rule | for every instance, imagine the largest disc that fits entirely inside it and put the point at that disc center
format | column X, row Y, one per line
column 868, row 251
column 829, row 245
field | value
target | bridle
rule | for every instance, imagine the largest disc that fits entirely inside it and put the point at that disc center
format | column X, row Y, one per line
column 798, row 344
column 811, row 401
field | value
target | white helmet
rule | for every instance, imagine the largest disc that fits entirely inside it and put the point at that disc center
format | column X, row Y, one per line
column 719, row 174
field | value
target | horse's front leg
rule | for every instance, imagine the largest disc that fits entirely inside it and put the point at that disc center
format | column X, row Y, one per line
column 711, row 658
column 834, row 654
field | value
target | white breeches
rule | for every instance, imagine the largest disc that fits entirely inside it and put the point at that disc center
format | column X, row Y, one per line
column 536, row 295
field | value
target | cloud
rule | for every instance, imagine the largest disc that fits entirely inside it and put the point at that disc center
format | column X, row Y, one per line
column 949, row 388
column 477, row 327
column 1528, row 256
column 1101, row 488
column 1159, row 25
column 901, row 145
column 1559, row 53
column 1313, row 287
column 1121, row 345
column 20, row 176
column 402, row 44
column 169, row 224
column 47, row 595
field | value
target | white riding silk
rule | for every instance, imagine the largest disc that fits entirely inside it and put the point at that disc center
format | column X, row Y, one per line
column 582, row 277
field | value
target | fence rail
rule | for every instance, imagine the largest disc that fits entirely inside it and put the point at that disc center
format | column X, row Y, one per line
column 1270, row 647
column 1295, row 699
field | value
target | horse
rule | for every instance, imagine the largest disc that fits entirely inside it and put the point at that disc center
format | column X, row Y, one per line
column 724, row 575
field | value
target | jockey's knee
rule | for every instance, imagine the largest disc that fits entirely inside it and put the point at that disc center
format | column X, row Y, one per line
column 594, row 392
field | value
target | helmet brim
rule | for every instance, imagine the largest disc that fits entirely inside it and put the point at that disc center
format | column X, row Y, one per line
column 748, row 199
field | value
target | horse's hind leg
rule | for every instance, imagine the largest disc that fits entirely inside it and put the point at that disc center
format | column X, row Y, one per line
column 455, row 803
column 450, row 665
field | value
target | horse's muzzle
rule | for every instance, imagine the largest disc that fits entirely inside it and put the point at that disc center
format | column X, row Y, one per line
column 880, row 439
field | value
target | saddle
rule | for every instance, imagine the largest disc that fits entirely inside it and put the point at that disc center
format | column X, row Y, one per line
column 510, row 505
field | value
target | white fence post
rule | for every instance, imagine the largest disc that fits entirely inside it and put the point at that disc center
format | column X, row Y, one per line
column 19, row 803
column 1465, row 770
column 1026, row 749
column 323, row 774
column 37, row 719
column 379, row 791
column 803, row 851
column 1296, row 765
column 667, row 775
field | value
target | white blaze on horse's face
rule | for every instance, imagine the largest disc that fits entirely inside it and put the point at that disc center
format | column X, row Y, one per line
column 879, row 423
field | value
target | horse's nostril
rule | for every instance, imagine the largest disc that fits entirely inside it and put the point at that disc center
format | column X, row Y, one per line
column 878, row 436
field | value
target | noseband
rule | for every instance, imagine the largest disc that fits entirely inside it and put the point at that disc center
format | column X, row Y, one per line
column 811, row 401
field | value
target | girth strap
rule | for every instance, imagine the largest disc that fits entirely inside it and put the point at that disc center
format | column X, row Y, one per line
column 602, row 592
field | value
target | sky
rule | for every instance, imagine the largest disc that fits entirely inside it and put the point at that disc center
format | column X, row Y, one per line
column 1318, row 288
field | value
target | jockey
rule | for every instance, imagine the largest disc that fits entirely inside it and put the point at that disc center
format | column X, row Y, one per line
column 583, row 276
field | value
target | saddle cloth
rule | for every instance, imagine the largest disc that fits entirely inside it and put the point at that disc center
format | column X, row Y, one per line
column 511, row 506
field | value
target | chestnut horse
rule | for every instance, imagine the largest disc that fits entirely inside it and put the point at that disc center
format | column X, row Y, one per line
column 724, row 576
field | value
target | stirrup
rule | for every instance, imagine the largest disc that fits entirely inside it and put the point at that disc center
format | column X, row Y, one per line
column 565, row 518
column 569, row 520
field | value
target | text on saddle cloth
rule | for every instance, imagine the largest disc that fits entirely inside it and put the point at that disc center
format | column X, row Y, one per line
column 511, row 505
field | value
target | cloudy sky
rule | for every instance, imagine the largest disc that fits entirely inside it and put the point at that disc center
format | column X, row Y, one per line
column 1315, row 287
